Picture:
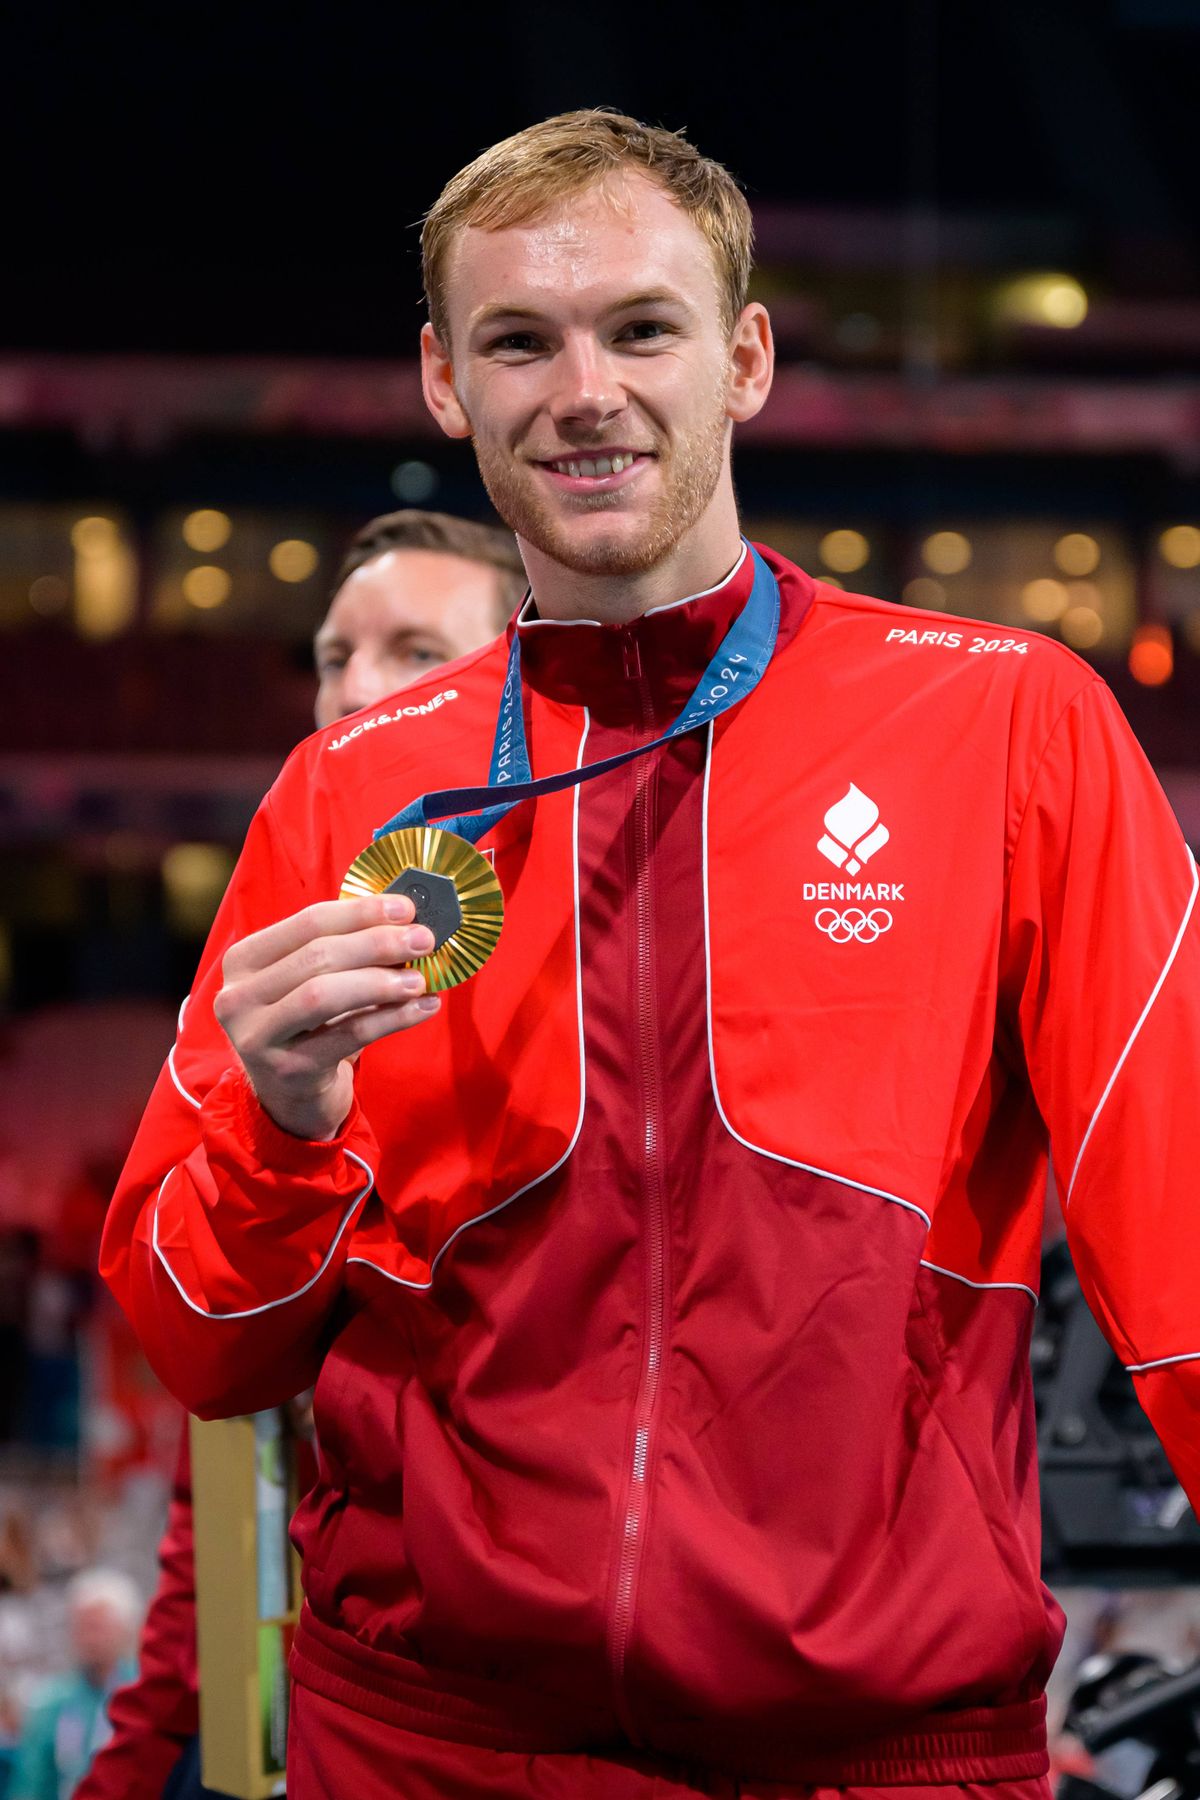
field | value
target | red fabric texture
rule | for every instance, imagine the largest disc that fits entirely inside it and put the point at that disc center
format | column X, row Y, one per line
column 336, row 1749
column 674, row 1394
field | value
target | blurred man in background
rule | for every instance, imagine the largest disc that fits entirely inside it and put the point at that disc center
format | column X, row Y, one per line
column 68, row 1721
column 414, row 589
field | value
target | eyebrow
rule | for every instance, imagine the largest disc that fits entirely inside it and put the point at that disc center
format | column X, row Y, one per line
column 491, row 315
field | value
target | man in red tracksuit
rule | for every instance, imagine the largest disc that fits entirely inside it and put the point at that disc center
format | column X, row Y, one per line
column 668, row 1292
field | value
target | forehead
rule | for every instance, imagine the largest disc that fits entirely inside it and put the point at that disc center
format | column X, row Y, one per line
column 623, row 236
column 406, row 588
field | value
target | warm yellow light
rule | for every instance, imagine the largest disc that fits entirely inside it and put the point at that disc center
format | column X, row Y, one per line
column 206, row 586
column 844, row 551
column 194, row 878
column 1180, row 546
column 1051, row 299
column 1077, row 553
column 207, row 530
column 1082, row 627
column 93, row 536
column 105, row 579
column 293, row 560
column 1044, row 600
column 923, row 592
column 1151, row 656
column 946, row 552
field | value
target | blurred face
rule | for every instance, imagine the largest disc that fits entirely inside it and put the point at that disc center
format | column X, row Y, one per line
column 396, row 618
column 589, row 362
column 100, row 1636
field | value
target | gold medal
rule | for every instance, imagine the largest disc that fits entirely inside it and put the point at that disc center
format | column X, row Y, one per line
column 453, row 888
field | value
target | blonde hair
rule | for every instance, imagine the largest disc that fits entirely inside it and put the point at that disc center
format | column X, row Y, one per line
column 520, row 177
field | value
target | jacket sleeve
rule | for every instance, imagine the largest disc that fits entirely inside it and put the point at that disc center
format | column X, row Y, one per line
column 1103, row 956
column 159, row 1712
column 226, row 1238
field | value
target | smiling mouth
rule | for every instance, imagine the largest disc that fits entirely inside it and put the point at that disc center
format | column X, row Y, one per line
column 595, row 467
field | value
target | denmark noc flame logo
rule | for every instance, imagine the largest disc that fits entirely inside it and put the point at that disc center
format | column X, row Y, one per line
column 852, row 831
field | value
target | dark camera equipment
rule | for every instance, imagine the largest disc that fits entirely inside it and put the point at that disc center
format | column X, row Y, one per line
column 1112, row 1509
column 1133, row 1699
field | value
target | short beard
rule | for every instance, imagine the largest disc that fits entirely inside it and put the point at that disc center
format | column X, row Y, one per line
column 682, row 500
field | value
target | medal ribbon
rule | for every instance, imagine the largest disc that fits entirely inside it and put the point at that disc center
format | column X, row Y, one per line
column 734, row 672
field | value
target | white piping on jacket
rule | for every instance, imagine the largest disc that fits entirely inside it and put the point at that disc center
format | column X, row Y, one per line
column 526, row 624
column 250, row 1312
column 423, row 1286
column 1154, row 993
column 189, row 1097
column 967, row 1282
column 827, row 1174
column 1160, row 1362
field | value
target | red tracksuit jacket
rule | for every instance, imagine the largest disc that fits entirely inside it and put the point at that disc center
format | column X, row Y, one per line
column 668, row 1296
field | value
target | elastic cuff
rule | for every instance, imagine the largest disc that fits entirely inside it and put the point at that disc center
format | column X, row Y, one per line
column 272, row 1147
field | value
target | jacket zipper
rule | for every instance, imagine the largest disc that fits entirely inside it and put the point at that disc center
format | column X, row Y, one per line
column 636, row 1489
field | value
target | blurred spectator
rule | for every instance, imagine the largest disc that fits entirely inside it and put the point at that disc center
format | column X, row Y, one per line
column 414, row 589
column 67, row 1720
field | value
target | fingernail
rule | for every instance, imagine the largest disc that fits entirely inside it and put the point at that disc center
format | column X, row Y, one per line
column 429, row 1003
column 412, row 983
column 420, row 940
column 398, row 906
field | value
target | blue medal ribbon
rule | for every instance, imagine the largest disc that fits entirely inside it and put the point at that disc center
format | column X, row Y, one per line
column 734, row 672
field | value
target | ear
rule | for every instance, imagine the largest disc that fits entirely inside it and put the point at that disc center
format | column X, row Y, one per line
column 751, row 363
column 437, row 383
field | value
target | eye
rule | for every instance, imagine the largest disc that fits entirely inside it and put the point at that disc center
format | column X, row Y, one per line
column 329, row 663
column 515, row 343
column 645, row 331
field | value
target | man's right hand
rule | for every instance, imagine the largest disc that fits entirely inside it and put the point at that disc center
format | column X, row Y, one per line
column 303, row 997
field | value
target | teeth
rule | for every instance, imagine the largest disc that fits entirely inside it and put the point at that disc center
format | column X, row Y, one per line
column 596, row 466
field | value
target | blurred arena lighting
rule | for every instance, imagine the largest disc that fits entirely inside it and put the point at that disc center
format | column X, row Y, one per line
column 293, row 560
column 93, row 536
column 207, row 530
column 414, row 482
column 1191, row 628
column 49, row 595
column 194, row 879
column 946, row 552
column 1051, row 299
column 1077, row 553
column 207, row 586
column 105, row 578
column 844, row 551
column 1044, row 600
column 1151, row 656
column 1180, row 546
column 925, row 592
column 1082, row 627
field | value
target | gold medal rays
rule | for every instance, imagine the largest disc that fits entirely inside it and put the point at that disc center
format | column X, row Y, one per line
column 461, row 900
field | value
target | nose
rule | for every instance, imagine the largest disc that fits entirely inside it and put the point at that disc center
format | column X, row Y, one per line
column 589, row 391
column 363, row 682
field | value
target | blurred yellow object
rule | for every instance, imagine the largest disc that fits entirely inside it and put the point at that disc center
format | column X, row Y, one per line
column 1082, row 627
column 207, row 530
column 1044, row 600
column 1051, row 299
column 293, row 560
column 1077, row 553
column 206, row 586
column 946, row 552
column 844, row 551
column 1180, row 546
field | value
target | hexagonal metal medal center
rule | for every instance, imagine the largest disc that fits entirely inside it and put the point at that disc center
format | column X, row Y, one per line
column 435, row 898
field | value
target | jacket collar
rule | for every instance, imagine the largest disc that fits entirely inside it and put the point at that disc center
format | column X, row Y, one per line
column 641, row 673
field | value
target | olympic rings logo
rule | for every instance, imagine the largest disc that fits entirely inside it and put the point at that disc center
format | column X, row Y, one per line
column 853, row 925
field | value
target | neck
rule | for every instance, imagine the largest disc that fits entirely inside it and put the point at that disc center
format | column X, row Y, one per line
column 701, row 560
